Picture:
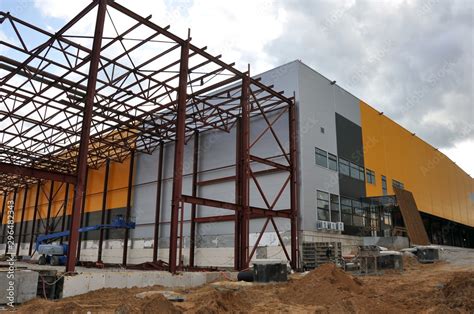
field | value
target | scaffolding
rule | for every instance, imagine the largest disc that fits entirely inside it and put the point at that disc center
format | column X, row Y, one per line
column 73, row 100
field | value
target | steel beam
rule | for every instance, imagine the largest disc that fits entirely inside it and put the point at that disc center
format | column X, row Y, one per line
column 50, row 204
column 159, row 182
column 6, row 225
column 294, row 185
column 129, row 208
column 238, row 194
column 22, row 218
column 104, row 207
column 178, row 155
column 192, row 242
column 245, row 173
column 36, row 173
column 4, row 205
column 85, row 134
column 34, row 222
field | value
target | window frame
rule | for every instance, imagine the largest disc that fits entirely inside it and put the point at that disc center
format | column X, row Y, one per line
column 334, row 160
column 323, row 209
column 384, row 185
column 318, row 152
column 345, row 164
column 370, row 175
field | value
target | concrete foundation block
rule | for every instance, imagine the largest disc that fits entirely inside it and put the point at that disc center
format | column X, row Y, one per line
column 19, row 289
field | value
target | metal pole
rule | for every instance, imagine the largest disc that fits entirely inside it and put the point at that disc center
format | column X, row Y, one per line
column 238, row 194
column 104, row 207
column 245, row 170
column 4, row 204
column 129, row 208
column 158, row 202
column 66, row 200
column 192, row 242
column 83, row 214
column 35, row 212
column 85, row 133
column 25, row 196
column 50, row 203
column 5, row 227
column 293, row 185
column 178, row 155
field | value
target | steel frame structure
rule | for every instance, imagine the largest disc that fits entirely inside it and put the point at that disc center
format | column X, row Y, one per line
column 74, row 99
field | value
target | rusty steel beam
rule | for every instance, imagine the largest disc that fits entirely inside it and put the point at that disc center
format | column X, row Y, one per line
column 4, row 205
column 294, row 174
column 34, row 222
column 245, row 173
column 178, row 155
column 36, row 173
column 104, row 207
column 238, row 194
column 192, row 241
column 129, row 208
column 50, row 204
column 85, row 134
column 159, row 183
column 268, row 162
column 281, row 213
column 22, row 218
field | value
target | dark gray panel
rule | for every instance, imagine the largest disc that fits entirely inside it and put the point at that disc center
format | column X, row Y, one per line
column 349, row 147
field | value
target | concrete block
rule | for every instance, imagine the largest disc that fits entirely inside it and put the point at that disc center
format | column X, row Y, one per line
column 23, row 288
column 75, row 285
column 115, row 280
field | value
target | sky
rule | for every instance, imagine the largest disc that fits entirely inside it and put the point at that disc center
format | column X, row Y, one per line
column 413, row 60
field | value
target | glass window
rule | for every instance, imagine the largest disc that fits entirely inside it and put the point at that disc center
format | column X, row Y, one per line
column 344, row 167
column 370, row 176
column 323, row 205
column 335, row 216
column 384, row 185
column 356, row 171
column 346, row 211
column 321, row 157
column 359, row 214
column 398, row 184
column 332, row 162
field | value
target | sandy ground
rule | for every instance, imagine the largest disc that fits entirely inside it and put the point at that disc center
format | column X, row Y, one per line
column 443, row 287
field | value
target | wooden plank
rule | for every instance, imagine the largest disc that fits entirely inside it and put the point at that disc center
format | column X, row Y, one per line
column 411, row 216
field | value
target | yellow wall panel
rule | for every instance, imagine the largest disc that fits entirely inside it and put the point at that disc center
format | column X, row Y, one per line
column 439, row 186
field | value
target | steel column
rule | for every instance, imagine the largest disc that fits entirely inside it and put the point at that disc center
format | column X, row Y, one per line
column 50, row 203
column 35, row 213
column 129, row 208
column 22, row 218
column 4, row 204
column 245, row 173
column 238, row 194
column 66, row 201
column 85, row 133
column 293, row 185
column 192, row 242
column 104, row 207
column 158, row 202
column 82, row 216
column 6, row 225
column 178, row 155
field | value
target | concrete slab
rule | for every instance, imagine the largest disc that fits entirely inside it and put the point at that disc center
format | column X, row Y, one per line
column 20, row 288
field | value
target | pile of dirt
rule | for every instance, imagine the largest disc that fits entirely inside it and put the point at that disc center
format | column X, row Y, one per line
column 410, row 261
column 328, row 283
column 459, row 292
column 210, row 300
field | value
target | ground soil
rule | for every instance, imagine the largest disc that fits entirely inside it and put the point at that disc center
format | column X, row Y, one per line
column 441, row 287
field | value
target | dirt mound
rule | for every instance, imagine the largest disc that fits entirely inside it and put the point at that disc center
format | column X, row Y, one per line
column 410, row 261
column 158, row 304
column 459, row 292
column 215, row 301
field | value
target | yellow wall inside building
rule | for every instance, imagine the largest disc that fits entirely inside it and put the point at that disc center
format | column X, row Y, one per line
column 116, row 197
column 439, row 186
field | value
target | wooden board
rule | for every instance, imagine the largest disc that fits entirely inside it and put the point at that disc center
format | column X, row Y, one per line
column 411, row 216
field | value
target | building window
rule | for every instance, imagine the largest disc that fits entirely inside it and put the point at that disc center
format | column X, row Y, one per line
column 335, row 215
column 357, row 172
column 344, row 167
column 323, row 205
column 384, row 185
column 359, row 214
column 370, row 176
column 332, row 162
column 321, row 157
column 398, row 184
column 346, row 210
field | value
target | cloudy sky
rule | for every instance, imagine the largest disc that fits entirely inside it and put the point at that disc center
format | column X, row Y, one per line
column 413, row 60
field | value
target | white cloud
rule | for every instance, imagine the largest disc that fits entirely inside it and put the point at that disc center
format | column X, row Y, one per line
column 461, row 154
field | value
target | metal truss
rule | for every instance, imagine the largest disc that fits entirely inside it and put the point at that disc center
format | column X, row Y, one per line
column 83, row 96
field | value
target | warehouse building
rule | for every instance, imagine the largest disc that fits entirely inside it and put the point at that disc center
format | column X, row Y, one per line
column 350, row 156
